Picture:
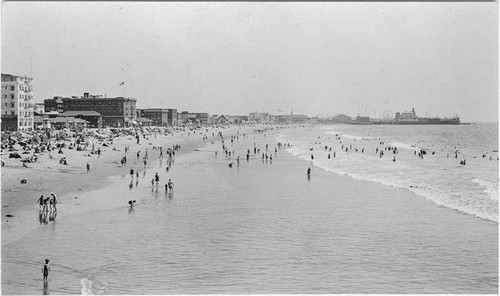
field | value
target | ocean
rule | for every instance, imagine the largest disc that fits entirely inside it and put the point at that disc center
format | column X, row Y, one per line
column 261, row 226
column 438, row 176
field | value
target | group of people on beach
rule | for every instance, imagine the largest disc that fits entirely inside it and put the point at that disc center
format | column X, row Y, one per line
column 47, row 209
column 48, row 203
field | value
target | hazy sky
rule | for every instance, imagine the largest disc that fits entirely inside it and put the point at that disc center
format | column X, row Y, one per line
column 235, row 58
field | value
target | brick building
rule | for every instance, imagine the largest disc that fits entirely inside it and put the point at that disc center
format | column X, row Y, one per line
column 55, row 104
column 116, row 112
column 158, row 116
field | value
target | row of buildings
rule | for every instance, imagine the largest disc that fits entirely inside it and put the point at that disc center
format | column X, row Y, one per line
column 400, row 118
column 20, row 112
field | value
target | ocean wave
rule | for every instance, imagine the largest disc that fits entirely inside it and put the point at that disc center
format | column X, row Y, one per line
column 490, row 188
column 367, row 168
column 443, row 200
column 92, row 286
column 405, row 145
column 86, row 286
column 353, row 137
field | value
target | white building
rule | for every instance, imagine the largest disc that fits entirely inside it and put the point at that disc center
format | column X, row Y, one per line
column 258, row 117
column 17, row 103
column 408, row 116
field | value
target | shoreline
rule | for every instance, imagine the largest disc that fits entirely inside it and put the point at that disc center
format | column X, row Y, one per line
column 69, row 182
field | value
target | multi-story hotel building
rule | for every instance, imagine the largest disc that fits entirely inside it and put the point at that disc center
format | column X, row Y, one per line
column 17, row 103
column 182, row 117
column 55, row 104
column 116, row 112
column 160, row 116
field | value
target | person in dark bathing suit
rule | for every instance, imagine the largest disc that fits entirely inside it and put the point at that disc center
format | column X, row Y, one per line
column 45, row 271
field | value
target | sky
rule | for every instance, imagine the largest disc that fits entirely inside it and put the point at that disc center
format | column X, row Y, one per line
column 234, row 58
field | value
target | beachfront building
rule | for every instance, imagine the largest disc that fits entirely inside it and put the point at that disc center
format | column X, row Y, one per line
column 182, row 117
column 341, row 118
column 225, row 119
column 61, row 122
column 55, row 104
column 158, row 116
column 93, row 118
column 259, row 117
column 322, row 119
column 362, row 119
column 42, row 121
column 116, row 112
column 198, row 118
column 291, row 119
column 17, row 103
column 213, row 118
column 408, row 116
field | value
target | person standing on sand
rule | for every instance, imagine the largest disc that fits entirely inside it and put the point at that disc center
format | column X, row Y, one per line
column 40, row 202
column 46, row 203
column 88, row 167
column 54, row 201
column 45, row 271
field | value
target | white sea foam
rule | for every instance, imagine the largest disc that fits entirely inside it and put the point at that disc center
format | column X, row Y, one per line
column 353, row 137
column 490, row 188
column 91, row 286
column 405, row 145
column 86, row 286
column 409, row 174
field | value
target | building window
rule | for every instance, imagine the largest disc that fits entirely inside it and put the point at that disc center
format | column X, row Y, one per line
column 12, row 88
column 12, row 96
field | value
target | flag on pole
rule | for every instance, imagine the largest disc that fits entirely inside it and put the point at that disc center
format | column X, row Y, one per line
column 123, row 83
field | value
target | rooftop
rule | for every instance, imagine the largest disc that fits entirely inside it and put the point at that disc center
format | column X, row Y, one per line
column 82, row 113
column 67, row 120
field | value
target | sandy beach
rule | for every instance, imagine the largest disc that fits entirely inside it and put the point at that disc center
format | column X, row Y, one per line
column 47, row 175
